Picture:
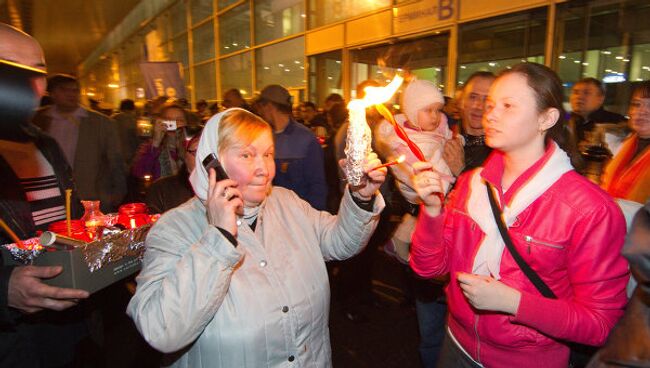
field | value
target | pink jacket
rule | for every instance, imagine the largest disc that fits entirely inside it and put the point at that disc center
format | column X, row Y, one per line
column 571, row 236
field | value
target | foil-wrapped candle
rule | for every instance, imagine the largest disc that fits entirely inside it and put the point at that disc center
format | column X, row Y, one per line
column 357, row 146
column 359, row 136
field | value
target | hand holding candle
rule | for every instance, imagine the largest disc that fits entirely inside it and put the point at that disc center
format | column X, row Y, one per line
column 359, row 135
column 428, row 185
column 375, row 175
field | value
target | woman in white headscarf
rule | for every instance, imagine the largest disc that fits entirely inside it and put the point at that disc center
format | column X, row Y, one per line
column 236, row 277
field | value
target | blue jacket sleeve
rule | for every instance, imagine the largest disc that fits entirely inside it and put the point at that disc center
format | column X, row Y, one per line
column 315, row 176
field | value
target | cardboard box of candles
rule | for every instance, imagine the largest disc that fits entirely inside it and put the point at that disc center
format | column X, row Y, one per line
column 92, row 258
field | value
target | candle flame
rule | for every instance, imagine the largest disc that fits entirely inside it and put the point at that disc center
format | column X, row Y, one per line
column 359, row 135
column 401, row 159
column 377, row 95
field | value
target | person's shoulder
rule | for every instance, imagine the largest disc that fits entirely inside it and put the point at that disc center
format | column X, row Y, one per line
column 96, row 115
column 283, row 198
column 41, row 113
column 43, row 109
column 281, row 194
column 180, row 217
column 580, row 194
column 300, row 130
column 606, row 116
column 462, row 186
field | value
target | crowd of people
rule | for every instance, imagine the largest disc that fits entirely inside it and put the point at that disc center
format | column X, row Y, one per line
column 511, row 230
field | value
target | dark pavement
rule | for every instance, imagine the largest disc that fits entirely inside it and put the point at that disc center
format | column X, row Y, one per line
column 387, row 334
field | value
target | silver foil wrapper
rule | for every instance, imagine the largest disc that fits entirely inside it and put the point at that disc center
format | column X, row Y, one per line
column 357, row 146
column 24, row 256
column 114, row 247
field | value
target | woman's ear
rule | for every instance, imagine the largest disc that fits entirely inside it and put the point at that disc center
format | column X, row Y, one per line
column 548, row 119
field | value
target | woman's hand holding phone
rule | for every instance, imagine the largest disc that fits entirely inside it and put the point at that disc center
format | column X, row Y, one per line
column 224, row 202
column 159, row 131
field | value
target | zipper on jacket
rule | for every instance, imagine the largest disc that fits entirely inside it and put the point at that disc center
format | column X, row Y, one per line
column 529, row 239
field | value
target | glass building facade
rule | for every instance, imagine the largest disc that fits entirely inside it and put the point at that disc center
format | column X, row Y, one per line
column 318, row 47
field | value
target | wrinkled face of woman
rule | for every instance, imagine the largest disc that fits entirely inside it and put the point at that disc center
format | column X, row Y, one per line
column 252, row 167
column 640, row 115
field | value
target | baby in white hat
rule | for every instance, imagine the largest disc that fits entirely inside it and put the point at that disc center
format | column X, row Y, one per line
column 426, row 125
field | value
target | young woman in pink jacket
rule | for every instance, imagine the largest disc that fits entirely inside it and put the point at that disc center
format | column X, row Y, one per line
column 567, row 230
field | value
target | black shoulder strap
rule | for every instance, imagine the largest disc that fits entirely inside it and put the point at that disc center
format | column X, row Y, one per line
column 528, row 271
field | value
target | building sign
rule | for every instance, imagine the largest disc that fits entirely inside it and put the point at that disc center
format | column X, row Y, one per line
column 424, row 14
column 163, row 79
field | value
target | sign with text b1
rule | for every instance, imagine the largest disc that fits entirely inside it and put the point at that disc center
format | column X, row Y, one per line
column 163, row 79
column 423, row 14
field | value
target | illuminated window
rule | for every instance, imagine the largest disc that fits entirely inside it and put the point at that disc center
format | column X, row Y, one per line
column 281, row 63
column 277, row 19
column 497, row 43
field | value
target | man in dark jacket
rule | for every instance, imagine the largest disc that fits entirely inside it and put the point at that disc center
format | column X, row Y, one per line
column 587, row 98
column 298, row 155
column 34, row 330
column 89, row 140
column 472, row 107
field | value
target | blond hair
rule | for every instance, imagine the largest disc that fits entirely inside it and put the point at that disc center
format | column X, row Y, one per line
column 240, row 127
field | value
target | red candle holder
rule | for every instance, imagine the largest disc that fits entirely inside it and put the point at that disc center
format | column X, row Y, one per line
column 133, row 215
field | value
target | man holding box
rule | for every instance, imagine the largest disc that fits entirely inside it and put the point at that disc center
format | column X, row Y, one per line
column 28, row 338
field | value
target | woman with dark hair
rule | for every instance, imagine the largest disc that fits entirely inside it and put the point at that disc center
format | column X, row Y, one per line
column 627, row 175
column 562, row 277
column 163, row 155
column 172, row 191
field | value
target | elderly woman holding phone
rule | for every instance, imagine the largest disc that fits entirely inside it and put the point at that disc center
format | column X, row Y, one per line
column 236, row 277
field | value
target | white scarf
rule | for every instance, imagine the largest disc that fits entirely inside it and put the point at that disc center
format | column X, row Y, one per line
column 488, row 258
column 209, row 143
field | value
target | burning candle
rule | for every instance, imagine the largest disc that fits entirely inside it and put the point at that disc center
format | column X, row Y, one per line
column 399, row 160
column 359, row 135
column 11, row 234
column 133, row 224
column 68, row 194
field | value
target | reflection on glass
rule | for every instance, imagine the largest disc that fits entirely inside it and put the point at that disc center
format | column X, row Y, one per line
column 497, row 43
column 204, row 78
column 236, row 73
column 277, row 19
column 607, row 41
column 179, row 50
column 425, row 58
column 465, row 70
column 200, row 9
column 162, row 27
column 322, row 12
column 178, row 18
column 234, row 29
column 281, row 63
column 324, row 76
column 224, row 3
column 203, row 42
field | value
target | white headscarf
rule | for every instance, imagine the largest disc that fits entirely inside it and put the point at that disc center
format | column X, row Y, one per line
column 209, row 143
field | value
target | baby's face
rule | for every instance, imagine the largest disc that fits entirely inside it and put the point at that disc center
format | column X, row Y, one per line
column 429, row 117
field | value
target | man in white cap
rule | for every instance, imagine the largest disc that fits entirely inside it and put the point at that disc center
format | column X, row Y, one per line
column 33, row 176
column 298, row 155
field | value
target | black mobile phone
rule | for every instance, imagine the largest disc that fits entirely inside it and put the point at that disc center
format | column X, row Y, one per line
column 211, row 161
